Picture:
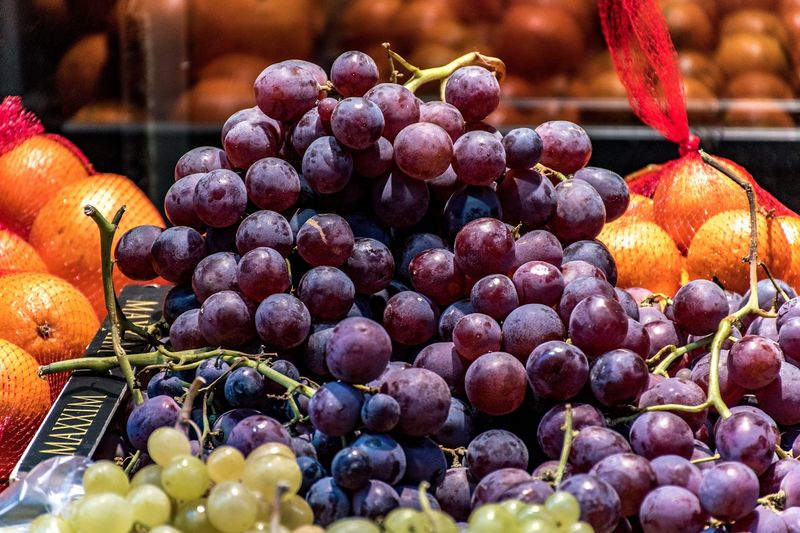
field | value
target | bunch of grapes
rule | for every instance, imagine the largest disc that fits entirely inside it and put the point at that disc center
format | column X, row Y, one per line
column 433, row 294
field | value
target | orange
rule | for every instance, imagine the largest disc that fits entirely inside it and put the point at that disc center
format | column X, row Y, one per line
column 791, row 228
column 639, row 208
column 646, row 256
column 723, row 241
column 689, row 193
column 30, row 175
column 16, row 255
column 69, row 241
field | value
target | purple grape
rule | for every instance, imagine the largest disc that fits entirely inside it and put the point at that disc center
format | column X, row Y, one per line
column 374, row 160
column 410, row 498
column 677, row 391
column 177, row 301
column 528, row 326
column 262, row 272
column 532, row 492
column 327, row 166
column 660, row 433
column 215, row 273
column 213, row 369
column 370, row 266
column 631, row 477
column 527, row 198
column 459, row 427
column 495, row 484
column 469, row 203
column 387, row 456
column 699, row 306
column 478, row 158
column 729, row 491
column 165, row 384
column 221, row 239
column 357, row 350
column 282, row 321
column 538, row 245
column 328, row 502
column 550, row 432
column 495, row 449
column 579, row 213
column 789, row 338
column 255, row 116
column 248, row 141
column 761, row 520
column 419, row 414
column 224, row 424
column 495, row 383
column 618, row 377
column 610, row 186
column 399, row 107
column 308, row 129
column 573, row 270
column 595, row 253
column 351, row 468
column 410, row 318
column 538, row 282
column 202, row 159
column 399, row 200
column 636, row 339
column 661, row 333
column 425, row 461
column 335, row 408
column 160, row 411
column 354, row 73
column 132, row 253
column 676, row 470
column 184, row 333
column 380, row 413
column 441, row 358
column 566, row 147
column 770, row 480
column 435, row 273
column 484, row 246
column 176, row 252
column 273, row 184
column 256, row 430
column 227, row 319
column 450, row 317
column 669, row 509
column 423, row 150
column 220, row 198
column 285, row 91
column 455, row 493
column 578, row 290
column 790, row 485
column 179, row 203
column 327, row 292
column 375, row 500
column 474, row 91
column 594, row 443
column 769, row 296
column 627, row 302
column 523, row 148
column 325, row 240
column 781, row 398
column 600, row 505
column 789, row 309
column 357, row 123
column 747, row 438
column 494, row 295
column 264, row 229
column 557, row 370
column 476, row 334
column 245, row 387
column 444, row 115
column 598, row 324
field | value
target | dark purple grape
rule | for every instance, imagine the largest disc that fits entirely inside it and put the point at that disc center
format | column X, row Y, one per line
column 212, row 370
column 399, row 107
column 370, row 266
column 165, row 384
column 410, row 498
column 789, row 338
column 579, row 213
column 557, row 370
column 598, row 324
column 255, row 116
column 729, row 491
column 770, row 481
column 357, row 350
column 444, row 115
column 184, row 333
column 374, row 160
column 311, row 469
column 747, row 438
column 375, row 500
column 327, row 292
column 179, row 203
column 282, row 321
column 227, row 319
column 699, row 306
column 248, row 141
column 677, row 391
column 215, row 273
column 221, row 239
column 627, row 302
column 325, row 240
column 410, row 318
column 146, row 417
column 442, row 359
column 220, row 198
column 469, row 203
column 423, row 150
column 474, row 91
column 527, row 198
column 132, row 254
column 478, row 158
column 444, row 185
column 610, row 186
column 455, row 493
column 264, row 228
column 676, row 470
column 327, row 166
column 495, row 449
column 484, row 246
column 636, row 339
column 435, row 273
column 600, row 505
column 594, row 443
column 631, row 477
column 177, row 301
column 578, row 290
column 399, row 200
column 495, row 383
column 768, row 295
column 420, row 414
column 550, row 433
column 495, row 484
column 754, row 362
column 256, row 430
column 328, row 502
column 528, row 326
column 618, row 377
column 731, row 392
column 335, row 408
column 534, row 491
column 538, row 245
column 357, row 123
column 386, row 455
column 225, row 423
column 285, row 91
column 459, row 428
column 273, row 184
column 572, row 270
column 351, row 468
column 661, row 333
column 450, row 317
column 523, row 148
column 494, row 295
column 262, row 272
column 476, row 334
column 354, row 73
column 670, row 509
column 595, row 253
column 176, row 252
column 200, row 160
column 415, row 244
column 538, row 282
column 660, row 433
column 380, row 413
column 325, row 108
column 565, row 146
column 425, row 461
column 789, row 309
column 308, row 129
column 245, row 387
column 761, row 520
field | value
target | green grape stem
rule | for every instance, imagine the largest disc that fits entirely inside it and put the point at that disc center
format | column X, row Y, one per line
column 566, row 448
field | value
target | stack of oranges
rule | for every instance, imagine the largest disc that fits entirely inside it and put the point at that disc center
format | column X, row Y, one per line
column 696, row 224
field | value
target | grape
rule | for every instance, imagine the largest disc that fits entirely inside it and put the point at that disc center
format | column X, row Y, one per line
column 285, row 91
column 459, row 427
column 308, row 129
column 770, row 480
column 399, row 107
column 669, row 509
column 400, row 201
column 248, row 141
column 328, row 501
column 610, row 186
column 455, row 492
column 335, row 408
column 579, row 212
column 435, row 273
column 476, row 334
column 420, row 414
column 166, row 384
column 444, row 115
column 225, row 463
column 375, row 500
column 232, row 508
column 353, row 73
column 527, row 198
column 550, row 433
column 478, row 158
column 495, row 449
column 164, row 444
column 414, row 245
column 790, row 485
column 474, row 91
column 578, row 290
column 200, row 160
column 225, row 423
column 185, row 477
column 410, row 498
column 325, row 108
column 538, row 245
column 781, row 398
column 176, row 252
column 104, row 513
column 789, row 309
column 484, row 246
column 566, row 147
column 528, row 326
column 410, row 318
column 226, row 319
column 573, row 270
column 262, row 272
column 747, row 438
column 282, row 321
column 425, row 461
column 380, row 413
column 357, row 350
column 523, row 148
column 179, row 203
column 193, row 516
column 374, row 160
column 312, row 471
column 636, row 339
column 627, row 302
column 264, row 229
column 357, row 123
column 761, row 519
column 327, row 165
column 423, row 150
column 595, row 253
column 255, row 116
column 105, row 476
column 220, row 198
column 352, row 468
column 495, row 383
column 494, row 295
column 618, row 377
column 264, row 473
column 768, row 295
column 557, row 370
column 386, row 456
column 370, row 266
column 675, row 470
column 325, row 240
column 146, row 417
column 272, row 183
column 132, row 253
column 450, row 317
column 600, row 505
column 245, row 387
column 185, row 334
column 469, row 203
column 661, row 333
column 442, row 359
column 677, row 391
column 177, row 301
column 327, row 292
column 598, row 324
column 215, row 273
column 789, row 338
column 253, row 431
column 533, row 491
column 631, row 477
column 729, row 491
column 150, row 505
column 699, row 306
column 538, row 282
column 592, row 444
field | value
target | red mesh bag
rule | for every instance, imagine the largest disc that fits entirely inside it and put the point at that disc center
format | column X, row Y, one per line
column 686, row 193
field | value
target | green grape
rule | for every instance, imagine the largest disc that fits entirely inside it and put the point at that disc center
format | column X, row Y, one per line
column 265, row 473
column 165, row 443
column 185, row 478
column 580, row 527
column 104, row 513
column 353, row 525
column 265, row 526
column 564, row 507
column 538, row 512
column 193, row 516
column 271, row 448
column 70, row 513
column 165, row 529
column 149, row 475
column 441, row 522
column 491, row 518
column 225, row 463
column 295, row 512
column 150, row 505
column 232, row 508
column 536, row 525
column 513, row 506
column 308, row 529
column 48, row 523
column 403, row 520
column 105, row 476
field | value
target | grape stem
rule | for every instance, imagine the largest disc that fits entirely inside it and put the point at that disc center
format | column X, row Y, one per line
column 548, row 172
column 675, row 354
column 420, row 77
column 708, row 459
column 778, row 288
column 566, row 448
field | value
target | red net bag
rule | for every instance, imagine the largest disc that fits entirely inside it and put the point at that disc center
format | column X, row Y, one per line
column 696, row 206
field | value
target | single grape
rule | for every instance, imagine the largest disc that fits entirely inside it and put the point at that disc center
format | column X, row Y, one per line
column 146, row 417
column 245, row 387
column 538, row 282
column 444, row 115
column 600, row 505
column 255, row 430
column 225, row 463
column 193, row 516
column 166, row 384
column 335, row 408
column 676, row 470
column 353, row 73
column 419, row 414
column 565, row 146
column 399, row 107
column 476, row 334
column 484, row 246
column 423, row 150
column 352, row 468
column 374, row 160
column 579, row 213
column 264, row 228
column 668, row 509
column 459, row 428
column 248, row 141
column 572, row 270
column 165, row 443
column 185, row 477
column 386, row 456
column 474, row 91
column 491, row 519
column 523, row 148
column 550, row 433
column 133, row 252
column 468, row 203
column 455, row 492
column 677, row 391
column 255, row 116
column 312, row 471
column 328, row 501
column 282, row 321
column 593, row 444
column 435, row 273
column 493, row 450
column 528, row 326
column 494, row 295
column 595, row 253
column 327, row 165
column 104, row 513
column 308, row 129
column 580, row 289
column 357, row 350
column 374, row 500
column 220, row 198
column 215, row 273
column 611, row 187
column 262, row 272
column 232, row 508
column 370, row 266
column 273, row 184
column 746, row 438
column 176, row 252
column 105, row 477
column 495, row 383
column 327, row 292
column 410, row 318
column 200, row 160
column 618, row 377
column 150, row 505
column 699, row 306
column 761, row 519
column 631, row 477
column 538, row 245
column 357, row 123
column 399, row 200
column 285, row 91
column 557, row 370
column 226, row 318
column 478, row 158
column 425, row 461
column 527, row 197
column 442, row 359
column 265, row 473
column 380, row 413
column 729, row 491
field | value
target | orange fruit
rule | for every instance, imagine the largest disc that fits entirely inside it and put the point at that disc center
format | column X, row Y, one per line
column 646, row 256
column 723, row 241
column 791, row 228
column 69, row 241
column 16, row 255
column 689, row 193
column 640, row 208
column 32, row 173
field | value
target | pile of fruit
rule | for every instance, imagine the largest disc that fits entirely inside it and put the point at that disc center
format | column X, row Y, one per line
column 389, row 316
